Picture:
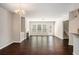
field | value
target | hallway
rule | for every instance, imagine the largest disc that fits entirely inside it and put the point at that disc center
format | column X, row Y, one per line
column 39, row 45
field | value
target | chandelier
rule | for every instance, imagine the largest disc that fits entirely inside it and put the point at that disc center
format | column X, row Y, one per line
column 20, row 12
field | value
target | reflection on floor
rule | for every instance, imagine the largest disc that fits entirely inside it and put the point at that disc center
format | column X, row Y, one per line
column 39, row 45
column 42, row 42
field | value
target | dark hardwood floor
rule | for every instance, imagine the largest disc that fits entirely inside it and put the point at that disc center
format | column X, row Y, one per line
column 39, row 45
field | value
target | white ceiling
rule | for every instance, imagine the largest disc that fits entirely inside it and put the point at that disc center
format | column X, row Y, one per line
column 44, row 9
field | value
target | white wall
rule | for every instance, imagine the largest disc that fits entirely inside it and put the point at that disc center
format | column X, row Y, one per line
column 10, row 28
column 59, row 29
column 5, row 28
column 16, row 27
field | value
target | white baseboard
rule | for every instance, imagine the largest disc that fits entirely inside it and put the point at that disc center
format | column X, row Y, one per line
column 6, row 45
column 10, row 43
column 18, row 41
column 59, row 38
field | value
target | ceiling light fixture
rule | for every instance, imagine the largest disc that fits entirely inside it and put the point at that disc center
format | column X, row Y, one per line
column 20, row 12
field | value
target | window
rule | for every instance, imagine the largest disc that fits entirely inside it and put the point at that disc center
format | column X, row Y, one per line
column 34, row 28
column 44, row 28
column 39, row 28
